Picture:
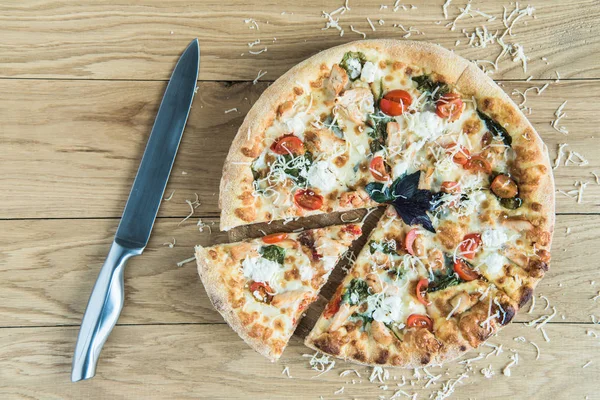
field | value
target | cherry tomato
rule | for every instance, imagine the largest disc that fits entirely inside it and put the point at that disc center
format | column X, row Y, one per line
column 470, row 244
column 263, row 289
column 274, row 238
column 308, row 199
column 461, row 154
column 449, row 106
column 410, row 239
column 419, row 321
column 377, row 168
column 353, row 229
column 395, row 102
column 465, row 272
column 504, row 187
column 288, row 144
column 334, row 305
column 478, row 163
column 450, row 187
column 422, row 287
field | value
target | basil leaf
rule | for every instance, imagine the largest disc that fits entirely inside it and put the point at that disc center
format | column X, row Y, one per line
column 356, row 292
column 495, row 128
column 294, row 172
column 378, row 192
column 366, row 319
column 443, row 282
column 353, row 62
column 434, row 90
column 384, row 247
column 273, row 253
column 333, row 126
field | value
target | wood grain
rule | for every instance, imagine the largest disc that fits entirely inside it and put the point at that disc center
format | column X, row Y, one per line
column 142, row 39
column 70, row 159
column 48, row 267
column 210, row 361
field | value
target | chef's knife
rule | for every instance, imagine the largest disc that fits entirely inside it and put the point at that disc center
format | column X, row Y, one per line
column 106, row 300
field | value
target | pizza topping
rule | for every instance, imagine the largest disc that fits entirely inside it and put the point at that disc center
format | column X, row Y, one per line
column 261, row 291
column 469, row 245
column 433, row 90
column 478, row 163
column 288, row 144
column 419, row 321
column 410, row 202
column 494, row 263
column 410, row 240
column 421, row 289
column 308, row 199
column 387, row 247
column 333, row 306
column 449, row 106
column 378, row 169
column 395, row 102
column 274, row 238
column 356, row 292
column 460, row 154
column 260, row 269
column 512, row 203
column 273, row 253
column 353, row 62
column 493, row 238
column 369, row 72
column 495, row 128
column 504, row 187
column 464, row 270
column 450, row 187
column 321, row 175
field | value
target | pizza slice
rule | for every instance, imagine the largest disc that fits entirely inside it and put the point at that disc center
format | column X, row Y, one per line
column 262, row 286
column 409, row 302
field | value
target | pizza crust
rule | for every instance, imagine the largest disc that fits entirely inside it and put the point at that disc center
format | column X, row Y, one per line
column 237, row 177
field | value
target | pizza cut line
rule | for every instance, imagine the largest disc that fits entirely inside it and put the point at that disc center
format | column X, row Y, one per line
column 467, row 231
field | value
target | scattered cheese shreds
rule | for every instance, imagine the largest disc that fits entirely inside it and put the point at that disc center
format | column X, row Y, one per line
column 260, row 75
column 559, row 114
column 187, row 260
column 286, row 371
column 170, row 196
column 170, row 244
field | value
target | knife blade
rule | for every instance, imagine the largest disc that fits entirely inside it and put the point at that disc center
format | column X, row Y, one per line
column 106, row 301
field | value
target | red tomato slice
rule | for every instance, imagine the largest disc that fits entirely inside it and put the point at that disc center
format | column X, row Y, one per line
column 288, row 144
column 461, row 154
column 464, row 271
column 470, row 244
column 353, row 229
column 377, row 168
column 308, row 199
column 478, row 163
column 410, row 239
column 422, row 287
column 274, row 238
column 334, row 305
column 419, row 321
column 450, row 187
column 263, row 289
column 449, row 106
column 504, row 187
column 395, row 102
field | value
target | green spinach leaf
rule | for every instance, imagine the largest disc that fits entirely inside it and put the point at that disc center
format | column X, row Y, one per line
column 495, row 128
column 353, row 62
column 273, row 253
column 434, row 90
column 356, row 292
column 388, row 247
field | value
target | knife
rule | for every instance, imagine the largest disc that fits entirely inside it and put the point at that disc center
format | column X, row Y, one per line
column 106, row 300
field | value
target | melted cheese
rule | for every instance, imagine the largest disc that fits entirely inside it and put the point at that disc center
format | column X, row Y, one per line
column 259, row 269
column 493, row 238
column 369, row 72
column 493, row 264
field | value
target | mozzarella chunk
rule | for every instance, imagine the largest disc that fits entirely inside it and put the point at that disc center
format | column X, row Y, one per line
column 494, row 238
column 369, row 71
column 493, row 264
column 260, row 269
column 354, row 68
column 321, row 176
column 296, row 126
column 306, row 272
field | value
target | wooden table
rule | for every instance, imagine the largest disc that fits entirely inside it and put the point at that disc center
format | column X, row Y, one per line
column 81, row 83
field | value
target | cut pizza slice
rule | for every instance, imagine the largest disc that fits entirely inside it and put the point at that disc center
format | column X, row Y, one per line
column 405, row 302
column 262, row 286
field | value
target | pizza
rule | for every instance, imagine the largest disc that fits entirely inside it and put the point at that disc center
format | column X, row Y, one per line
column 467, row 180
column 262, row 286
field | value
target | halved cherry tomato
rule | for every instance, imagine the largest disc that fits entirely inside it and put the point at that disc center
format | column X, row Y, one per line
column 377, row 168
column 461, row 155
column 274, row 238
column 449, row 106
column 288, row 144
column 504, row 187
column 419, row 321
column 353, row 229
column 395, row 102
column 334, row 305
column 470, row 244
column 308, row 199
column 263, row 289
column 410, row 240
column 422, row 287
column 478, row 163
column 465, row 272
column 450, row 187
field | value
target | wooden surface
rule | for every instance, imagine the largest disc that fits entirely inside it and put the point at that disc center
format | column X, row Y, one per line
column 81, row 83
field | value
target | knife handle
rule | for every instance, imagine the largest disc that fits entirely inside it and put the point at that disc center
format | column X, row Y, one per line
column 102, row 312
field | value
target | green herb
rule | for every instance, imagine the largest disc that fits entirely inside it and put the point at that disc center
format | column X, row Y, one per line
column 377, row 130
column 333, row 126
column 351, row 61
column 294, row 172
column 512, row 203
column 495, row 128
column 443, row 282
column 434, row 90
column 392, row 328
column 388, row 247
column 410, row 202
column 273, row 253
column 356, row 292
column 366, row 319
column 397, row 272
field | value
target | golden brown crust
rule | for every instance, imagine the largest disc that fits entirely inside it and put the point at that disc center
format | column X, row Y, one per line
column 237, row 176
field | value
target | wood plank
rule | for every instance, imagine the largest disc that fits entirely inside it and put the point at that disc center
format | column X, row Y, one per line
column 210, row 361
column 48, row 268
column 143, row 39
column 68, row 159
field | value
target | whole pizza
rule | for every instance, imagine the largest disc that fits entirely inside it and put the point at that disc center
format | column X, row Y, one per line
column 469, row 195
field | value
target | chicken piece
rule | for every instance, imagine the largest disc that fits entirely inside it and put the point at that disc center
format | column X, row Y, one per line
column 338, row 79
column 381, row 333
column 374, row 283
column 355, row 104
column 241, row 251
column 341, row 316
column 287, row 298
